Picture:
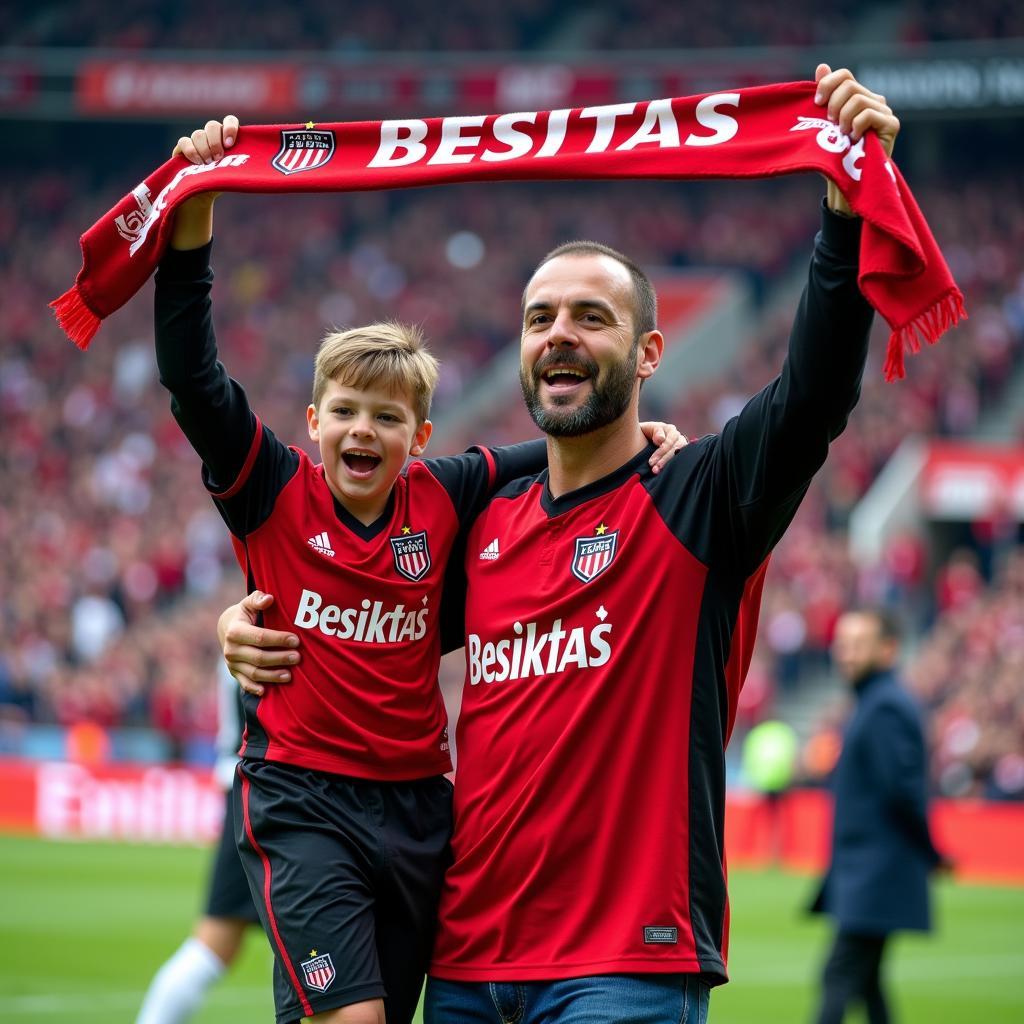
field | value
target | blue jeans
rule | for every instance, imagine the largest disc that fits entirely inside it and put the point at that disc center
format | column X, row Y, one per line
column 599, row 999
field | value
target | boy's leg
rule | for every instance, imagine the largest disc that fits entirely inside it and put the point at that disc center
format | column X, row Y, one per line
column 417, row 831
column 308, row 847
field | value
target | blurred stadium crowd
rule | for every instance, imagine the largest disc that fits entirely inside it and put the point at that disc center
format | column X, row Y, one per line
column 117, row 563
column 514, row 25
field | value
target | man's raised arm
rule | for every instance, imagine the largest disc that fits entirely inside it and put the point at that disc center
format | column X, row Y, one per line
column 768, row 453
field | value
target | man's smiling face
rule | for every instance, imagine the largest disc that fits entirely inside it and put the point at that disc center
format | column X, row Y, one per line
column 578, row 363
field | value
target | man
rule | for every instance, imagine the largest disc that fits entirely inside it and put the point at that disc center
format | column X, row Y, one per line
column 610, row 616
column 882, row 850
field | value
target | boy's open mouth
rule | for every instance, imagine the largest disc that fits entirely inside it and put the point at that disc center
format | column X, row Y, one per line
column 361, row 463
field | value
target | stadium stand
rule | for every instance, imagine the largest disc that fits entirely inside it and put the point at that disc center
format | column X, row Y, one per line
column 116, row 561
column 100, row 485
column 523, row 25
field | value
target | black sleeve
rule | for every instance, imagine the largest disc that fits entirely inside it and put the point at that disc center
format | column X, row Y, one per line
column 471, row 477
column 730, row 497
column 771, row 450
column 211, row 408
column 453, row 601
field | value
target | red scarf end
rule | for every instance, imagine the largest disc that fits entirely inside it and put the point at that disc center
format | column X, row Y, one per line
column 76, row 319
column 947, row 312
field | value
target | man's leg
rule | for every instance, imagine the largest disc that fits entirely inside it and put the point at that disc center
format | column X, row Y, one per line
column 179, row 987
column 600, row 999
column 467, row 1002
column 617, row 999
column 852, row 962
column 874, row 996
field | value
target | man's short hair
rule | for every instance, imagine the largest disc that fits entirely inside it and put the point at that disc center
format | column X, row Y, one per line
column 890, row 624
column 645, row 302
column 390, row 355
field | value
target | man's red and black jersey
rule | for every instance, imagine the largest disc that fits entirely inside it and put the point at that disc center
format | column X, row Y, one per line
column 365, row 600
column 608, row 632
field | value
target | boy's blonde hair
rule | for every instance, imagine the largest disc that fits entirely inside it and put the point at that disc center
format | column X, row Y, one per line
column 390, row 354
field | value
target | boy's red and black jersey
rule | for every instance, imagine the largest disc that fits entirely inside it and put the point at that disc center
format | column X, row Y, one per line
column 366, row 601
column 608, row 632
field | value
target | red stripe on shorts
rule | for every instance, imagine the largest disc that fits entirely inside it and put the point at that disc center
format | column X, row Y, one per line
column 307, row 1009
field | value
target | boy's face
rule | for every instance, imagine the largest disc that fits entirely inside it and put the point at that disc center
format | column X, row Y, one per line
column 365, row 435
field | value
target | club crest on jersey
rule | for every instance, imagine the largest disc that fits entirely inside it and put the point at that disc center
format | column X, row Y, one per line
column 593, row 555
column 412, row 556
column 303, row 149
column 319, row 972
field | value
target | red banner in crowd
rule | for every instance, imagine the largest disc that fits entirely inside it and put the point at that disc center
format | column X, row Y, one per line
column 968, row 482
column 133, row 87
column 170, row 804
column 301, row 88
column 157, row 803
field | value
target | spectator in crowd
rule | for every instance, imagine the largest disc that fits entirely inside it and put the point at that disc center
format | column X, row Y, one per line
column 769, row 764
column 882, row 849
column 179, row 987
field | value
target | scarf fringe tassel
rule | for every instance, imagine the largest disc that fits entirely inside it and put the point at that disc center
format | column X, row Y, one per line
column 76, row 319
column 931, row 325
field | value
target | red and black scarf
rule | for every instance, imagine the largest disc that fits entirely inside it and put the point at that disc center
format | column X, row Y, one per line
column 749, row 133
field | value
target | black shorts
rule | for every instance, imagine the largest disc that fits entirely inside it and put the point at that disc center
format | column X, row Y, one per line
column 229, row 894
column 346, row 874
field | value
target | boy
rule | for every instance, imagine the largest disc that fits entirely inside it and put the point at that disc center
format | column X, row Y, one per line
column 344, row 811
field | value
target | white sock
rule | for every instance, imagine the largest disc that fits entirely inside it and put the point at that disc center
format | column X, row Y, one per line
column 179, row 987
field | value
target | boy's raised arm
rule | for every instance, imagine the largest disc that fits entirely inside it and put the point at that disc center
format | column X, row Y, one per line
column 209, row 406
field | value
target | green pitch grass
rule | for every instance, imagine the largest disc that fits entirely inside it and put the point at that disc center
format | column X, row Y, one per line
column 84, row 925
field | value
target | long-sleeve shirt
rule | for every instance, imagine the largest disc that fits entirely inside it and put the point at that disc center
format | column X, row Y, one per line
column 608, row 634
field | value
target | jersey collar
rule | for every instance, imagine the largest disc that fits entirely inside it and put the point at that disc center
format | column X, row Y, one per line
column 360, row 529
column 573, row 499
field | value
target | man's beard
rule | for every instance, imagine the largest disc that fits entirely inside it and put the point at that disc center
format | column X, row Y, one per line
column 609, row 397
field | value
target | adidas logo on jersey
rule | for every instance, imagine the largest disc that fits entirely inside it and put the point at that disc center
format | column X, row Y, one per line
column 321, row 543
column 490, row 553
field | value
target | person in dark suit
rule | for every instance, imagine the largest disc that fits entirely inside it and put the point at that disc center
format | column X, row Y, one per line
column 882, row 849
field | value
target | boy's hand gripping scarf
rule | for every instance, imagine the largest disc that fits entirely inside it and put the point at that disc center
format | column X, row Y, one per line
column 750, row 133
